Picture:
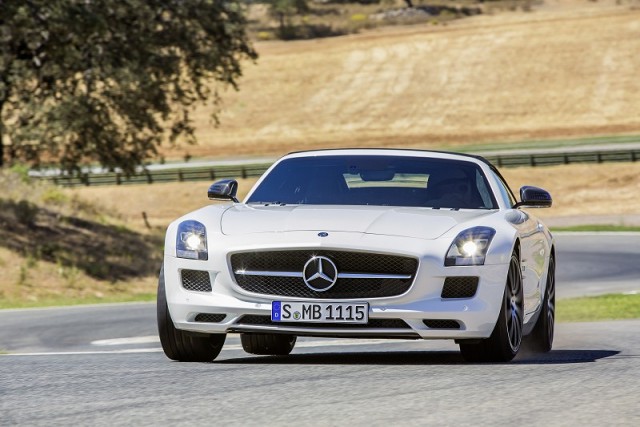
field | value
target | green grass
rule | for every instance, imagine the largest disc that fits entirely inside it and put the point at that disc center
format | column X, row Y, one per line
column 546, row 143
column 597, row 227
column 605, row 307
column 59, row 302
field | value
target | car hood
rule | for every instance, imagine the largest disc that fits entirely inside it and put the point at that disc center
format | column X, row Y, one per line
column 425, row 223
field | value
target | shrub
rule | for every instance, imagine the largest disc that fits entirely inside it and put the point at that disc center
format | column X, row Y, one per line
column 25, row 212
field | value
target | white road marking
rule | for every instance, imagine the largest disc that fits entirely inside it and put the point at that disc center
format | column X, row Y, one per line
column 151, row 339
column 227, row 347
column 76, row 353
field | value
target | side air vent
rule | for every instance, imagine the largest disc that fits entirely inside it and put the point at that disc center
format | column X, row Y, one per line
column 460, row 287
column 210, row 317
column 441, row 324
column 196, row 280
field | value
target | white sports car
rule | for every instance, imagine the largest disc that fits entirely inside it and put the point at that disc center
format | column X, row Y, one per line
column 361, row 243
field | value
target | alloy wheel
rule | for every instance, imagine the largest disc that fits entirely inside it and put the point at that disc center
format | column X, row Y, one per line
column 514, row 306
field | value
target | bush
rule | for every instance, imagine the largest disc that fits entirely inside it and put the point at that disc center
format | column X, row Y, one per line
column 25, row 212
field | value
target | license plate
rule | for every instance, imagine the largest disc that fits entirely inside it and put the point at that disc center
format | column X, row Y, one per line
column 320, row 312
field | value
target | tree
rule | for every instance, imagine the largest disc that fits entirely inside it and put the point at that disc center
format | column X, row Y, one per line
column 111, row 80
column 285, row 8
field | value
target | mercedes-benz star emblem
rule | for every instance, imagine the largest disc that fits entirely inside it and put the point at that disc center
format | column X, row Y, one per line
column 320, row 273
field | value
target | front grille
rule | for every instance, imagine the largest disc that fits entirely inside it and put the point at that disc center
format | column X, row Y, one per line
column 196, row 280
column 346, row 262
column 441, row 324
column 210, row 317
column 460, row 287
column 373, row 323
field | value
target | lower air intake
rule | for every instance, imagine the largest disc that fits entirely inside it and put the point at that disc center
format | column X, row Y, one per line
column 441, row 324
column 373, row 323
column 210, row 318
column 460, row 287
column 196, row 280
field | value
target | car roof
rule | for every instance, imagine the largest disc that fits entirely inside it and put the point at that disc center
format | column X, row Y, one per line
column 389, row 151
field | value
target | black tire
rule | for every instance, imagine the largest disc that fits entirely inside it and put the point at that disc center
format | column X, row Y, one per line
column 506, row 338
column 541, row 338
column 268, row 344
column 181, row 345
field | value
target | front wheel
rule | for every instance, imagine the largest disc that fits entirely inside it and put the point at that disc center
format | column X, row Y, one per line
column 181, row 345
column 506, row 338
column 541, row 339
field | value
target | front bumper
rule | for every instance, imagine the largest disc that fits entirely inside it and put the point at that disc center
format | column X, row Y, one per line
column 475, row 316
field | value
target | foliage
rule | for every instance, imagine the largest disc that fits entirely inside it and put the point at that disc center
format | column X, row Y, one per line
column 289, row 6
column 284, row 9
column 308, row 19
column 111, row 80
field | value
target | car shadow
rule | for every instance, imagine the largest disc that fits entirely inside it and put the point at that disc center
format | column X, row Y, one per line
column 561, row 357
column 554, row 357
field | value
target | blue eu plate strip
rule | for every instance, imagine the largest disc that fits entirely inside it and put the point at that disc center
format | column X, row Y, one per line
column 275, row 311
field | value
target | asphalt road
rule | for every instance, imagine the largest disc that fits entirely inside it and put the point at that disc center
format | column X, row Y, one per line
column 101, row 365
column 590, row 378
column 597, row 263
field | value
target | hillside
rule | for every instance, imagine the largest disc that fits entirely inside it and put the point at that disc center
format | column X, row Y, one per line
column 568, row 68
column 57, row 247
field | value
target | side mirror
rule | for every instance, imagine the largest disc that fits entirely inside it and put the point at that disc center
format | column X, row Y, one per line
column 225, row 189
column 534, row 197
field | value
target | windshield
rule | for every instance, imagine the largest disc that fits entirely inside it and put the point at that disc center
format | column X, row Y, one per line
column 376, row 180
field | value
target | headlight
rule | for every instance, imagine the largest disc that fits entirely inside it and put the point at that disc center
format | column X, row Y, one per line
column 470, row 247
column 191, row 241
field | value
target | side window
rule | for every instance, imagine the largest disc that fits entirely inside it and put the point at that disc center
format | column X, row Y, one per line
column 505, row 192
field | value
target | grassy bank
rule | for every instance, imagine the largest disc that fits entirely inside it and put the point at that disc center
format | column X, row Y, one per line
column 605, row 307
column 598, row 228
column 59, row 248
column 69, row 301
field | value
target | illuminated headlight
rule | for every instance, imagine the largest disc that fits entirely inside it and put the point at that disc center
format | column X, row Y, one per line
column 470, row 247
column 191, row 241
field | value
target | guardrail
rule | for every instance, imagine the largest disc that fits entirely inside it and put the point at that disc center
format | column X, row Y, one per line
column 212, row 173
column 550, row 159
column 156, row 176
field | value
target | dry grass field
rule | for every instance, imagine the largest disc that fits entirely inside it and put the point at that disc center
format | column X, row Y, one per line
column 568, row 68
